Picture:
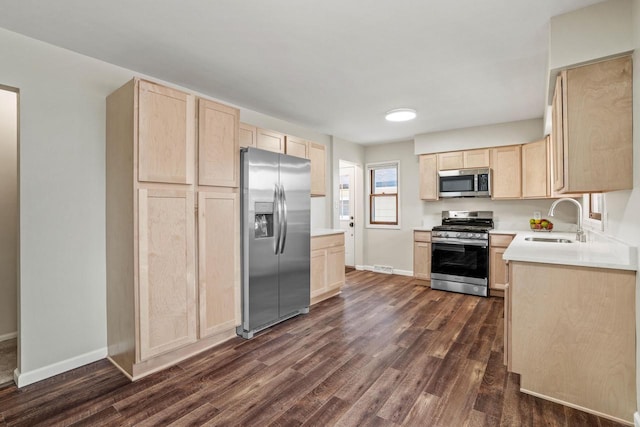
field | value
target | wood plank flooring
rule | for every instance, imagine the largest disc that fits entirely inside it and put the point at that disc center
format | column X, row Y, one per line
column 388, row 351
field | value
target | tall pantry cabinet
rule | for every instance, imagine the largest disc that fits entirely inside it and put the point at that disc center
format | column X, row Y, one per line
column 173, row 268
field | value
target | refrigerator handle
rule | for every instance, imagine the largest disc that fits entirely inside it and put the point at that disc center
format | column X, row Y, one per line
column 278, row 220
column 284, row 217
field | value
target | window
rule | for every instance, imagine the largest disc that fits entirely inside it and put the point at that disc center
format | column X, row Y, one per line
column 595, row 206
column 344, row 198
column 383, row 194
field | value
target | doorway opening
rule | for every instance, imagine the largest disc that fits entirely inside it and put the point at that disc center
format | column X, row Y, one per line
column 9, row 233
column 349, row 188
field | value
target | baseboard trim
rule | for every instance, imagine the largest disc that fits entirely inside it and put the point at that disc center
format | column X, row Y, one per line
column 395, row 271
column 9, row 336
column 636, row 419
column 25, row 378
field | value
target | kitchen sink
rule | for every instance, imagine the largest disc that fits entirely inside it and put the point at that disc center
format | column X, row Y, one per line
column 547, row 239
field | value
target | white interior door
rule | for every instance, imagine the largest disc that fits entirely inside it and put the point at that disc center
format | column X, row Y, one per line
column 346, row 191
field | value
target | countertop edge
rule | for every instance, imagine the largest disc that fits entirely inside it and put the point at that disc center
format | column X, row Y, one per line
column 326, row 232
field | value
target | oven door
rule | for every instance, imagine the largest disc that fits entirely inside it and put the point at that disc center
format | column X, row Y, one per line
column 465, row 261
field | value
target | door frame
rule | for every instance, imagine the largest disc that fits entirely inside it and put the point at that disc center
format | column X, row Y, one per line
column 358, row 214
column 18, row 276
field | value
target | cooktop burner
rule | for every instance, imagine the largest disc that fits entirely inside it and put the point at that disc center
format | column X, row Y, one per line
column 466, row 221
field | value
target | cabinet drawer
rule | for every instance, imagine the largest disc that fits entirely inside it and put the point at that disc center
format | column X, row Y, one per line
column 421, row 236
column 500, row 240
column 327, row 241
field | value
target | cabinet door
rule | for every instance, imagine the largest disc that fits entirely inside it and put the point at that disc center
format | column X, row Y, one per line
column 318, row 272
column 506, row 165
column 166, row 136
column 318, row 166
column 219, row 262
column 453, row 160
column 497, row 269
column 429, row 177
column 599, row 127
column 557, row 118
column 270, row 140
column 218, row 145
column 166, row 271
column 297, row 147
column 335, row 267
column 248, row 135
column 422, row 260
column 535, row 172
column 476, row 158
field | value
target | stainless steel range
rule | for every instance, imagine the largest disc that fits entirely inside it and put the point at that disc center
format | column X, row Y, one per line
column 460, row 252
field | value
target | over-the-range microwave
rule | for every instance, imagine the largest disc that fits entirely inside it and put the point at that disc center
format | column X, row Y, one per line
column 465, row 183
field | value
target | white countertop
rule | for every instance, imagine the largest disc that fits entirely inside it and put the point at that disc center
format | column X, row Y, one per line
column 598, row 251
column 325, row 231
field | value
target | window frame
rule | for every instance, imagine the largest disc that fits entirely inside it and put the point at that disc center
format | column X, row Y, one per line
column 588, row 218
column 371, row 167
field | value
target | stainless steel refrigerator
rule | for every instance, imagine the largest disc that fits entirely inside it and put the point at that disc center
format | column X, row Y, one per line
column 275, row 228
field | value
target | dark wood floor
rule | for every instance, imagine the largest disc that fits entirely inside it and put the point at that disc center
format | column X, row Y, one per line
column 387, row 352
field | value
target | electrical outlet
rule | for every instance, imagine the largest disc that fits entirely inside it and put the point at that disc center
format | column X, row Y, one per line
column 536, row 215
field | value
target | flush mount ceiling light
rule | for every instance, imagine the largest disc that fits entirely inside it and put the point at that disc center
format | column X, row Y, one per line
column 400, row 115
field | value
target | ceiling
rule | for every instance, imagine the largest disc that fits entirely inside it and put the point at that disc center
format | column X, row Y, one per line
column 333, row 66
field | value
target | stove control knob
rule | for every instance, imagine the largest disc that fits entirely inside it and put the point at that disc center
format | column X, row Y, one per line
column 458, row 234
column 477, row 236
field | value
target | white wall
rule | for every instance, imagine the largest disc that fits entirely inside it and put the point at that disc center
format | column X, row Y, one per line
column 62, row 311
column 8, row 212
column 354, row 153
column 480, row 137
column 391, row 246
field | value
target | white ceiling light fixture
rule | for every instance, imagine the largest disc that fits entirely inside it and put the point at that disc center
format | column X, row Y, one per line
column 400, row 115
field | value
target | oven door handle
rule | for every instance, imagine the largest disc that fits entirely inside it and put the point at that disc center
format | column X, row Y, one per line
column 482, row 244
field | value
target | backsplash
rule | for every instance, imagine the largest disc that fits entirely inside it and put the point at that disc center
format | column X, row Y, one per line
column 507, row 214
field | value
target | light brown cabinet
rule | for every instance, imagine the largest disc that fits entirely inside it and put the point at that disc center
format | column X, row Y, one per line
column 317, row 156
column 219, row 262
column 166, row 133
column 506, row 172
column 247, row 135
column 592, row 128
column 270, row 140
column 218, row 146
column 296, row 147
column 571, row 338
column 327, row 266
column 155, row 206
column 535, row 170
column 498, row 268
column 422, row 255
column 429, row 177
column 464, row 159
column 166, row 265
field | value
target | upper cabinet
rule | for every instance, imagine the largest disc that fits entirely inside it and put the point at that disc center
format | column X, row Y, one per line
column 218, row 149
column 535, row 169
column 464, row 159
column 592, row 128
column 297, row 147
column 506, row 177
column 429, row 177
column 270, row 140
column 247, row 135
column 166, row 134
column 318, row 169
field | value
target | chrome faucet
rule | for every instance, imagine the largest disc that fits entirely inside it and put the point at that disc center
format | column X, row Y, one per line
column 580, row 236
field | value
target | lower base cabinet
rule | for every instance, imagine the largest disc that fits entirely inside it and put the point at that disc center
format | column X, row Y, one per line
column 498, row 271
column 422, row 255
column 570, row 334
column 327, row 266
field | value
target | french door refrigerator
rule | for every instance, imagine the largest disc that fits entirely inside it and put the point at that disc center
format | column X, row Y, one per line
column 275, row 229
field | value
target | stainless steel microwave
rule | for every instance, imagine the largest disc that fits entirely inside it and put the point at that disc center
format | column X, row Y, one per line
column 465, row 183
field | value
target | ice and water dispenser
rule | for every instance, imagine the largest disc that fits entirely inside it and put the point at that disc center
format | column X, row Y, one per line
column 263, row 223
